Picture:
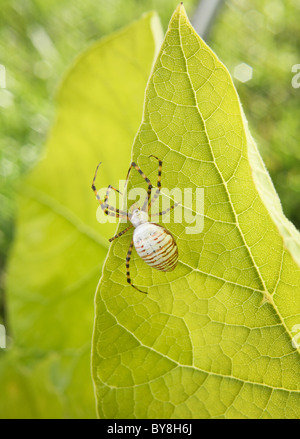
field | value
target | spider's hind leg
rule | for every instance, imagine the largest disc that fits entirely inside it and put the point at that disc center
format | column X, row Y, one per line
column 128, row 268
column 121, row 233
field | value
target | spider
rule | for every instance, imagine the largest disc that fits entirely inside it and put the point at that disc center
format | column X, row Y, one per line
column 153, row 243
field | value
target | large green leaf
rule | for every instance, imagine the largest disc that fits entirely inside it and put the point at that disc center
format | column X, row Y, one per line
column 60, row 247
column 213, row 338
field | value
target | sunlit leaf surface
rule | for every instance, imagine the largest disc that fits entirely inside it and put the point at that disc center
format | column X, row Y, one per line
column 214, row 337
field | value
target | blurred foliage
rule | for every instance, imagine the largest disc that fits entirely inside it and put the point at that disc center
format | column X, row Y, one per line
column 266, row 36
column 60, row 247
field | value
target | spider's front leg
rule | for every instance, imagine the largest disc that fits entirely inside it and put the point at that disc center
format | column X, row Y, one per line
column 108, row 210
column 150, row 202
column 135, row 166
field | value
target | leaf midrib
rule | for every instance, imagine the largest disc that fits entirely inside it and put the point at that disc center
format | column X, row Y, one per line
column 216, row 165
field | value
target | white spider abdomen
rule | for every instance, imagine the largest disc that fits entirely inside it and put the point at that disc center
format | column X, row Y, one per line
column 156, row 246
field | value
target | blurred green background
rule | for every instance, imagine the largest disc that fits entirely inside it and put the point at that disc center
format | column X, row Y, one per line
column 39, row 40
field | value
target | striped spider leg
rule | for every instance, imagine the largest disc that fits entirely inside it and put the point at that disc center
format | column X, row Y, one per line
column 108, row 210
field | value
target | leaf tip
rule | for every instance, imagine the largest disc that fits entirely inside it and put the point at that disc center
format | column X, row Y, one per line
column 181, row 12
